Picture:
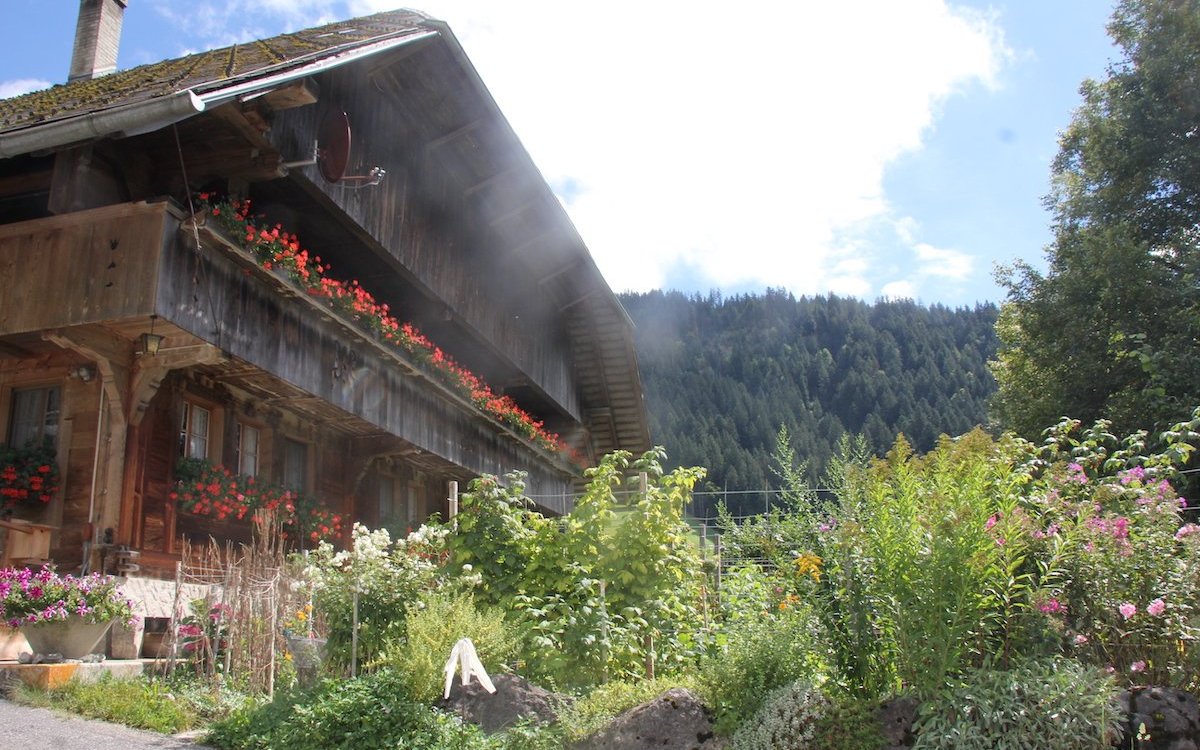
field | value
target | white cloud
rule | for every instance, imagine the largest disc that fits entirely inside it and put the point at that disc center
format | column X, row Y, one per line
column 943, row 263
column 19, row 86
column 896, row 290
column 748, row 145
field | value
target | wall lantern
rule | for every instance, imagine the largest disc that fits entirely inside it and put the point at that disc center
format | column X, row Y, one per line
column 148, row 343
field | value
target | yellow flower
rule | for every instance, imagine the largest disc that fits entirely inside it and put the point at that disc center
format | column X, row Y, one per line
column 810, row 565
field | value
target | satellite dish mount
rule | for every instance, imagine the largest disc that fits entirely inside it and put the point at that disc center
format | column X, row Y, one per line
column 331, row 154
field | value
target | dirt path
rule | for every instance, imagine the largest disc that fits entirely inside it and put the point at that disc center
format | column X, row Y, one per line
column 41, row 729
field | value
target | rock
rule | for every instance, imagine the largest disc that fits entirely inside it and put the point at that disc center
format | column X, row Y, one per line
column 515, row 699
column 674, row 720
column 895, row 718
column 1161, row 718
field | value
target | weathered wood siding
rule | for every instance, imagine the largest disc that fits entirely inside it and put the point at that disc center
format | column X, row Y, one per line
column 420, row 215
column 210, row 296
column 80, row 268
column 215, row 299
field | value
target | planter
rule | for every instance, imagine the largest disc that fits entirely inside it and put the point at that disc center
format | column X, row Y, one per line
column 12, row 643
column 73, row 637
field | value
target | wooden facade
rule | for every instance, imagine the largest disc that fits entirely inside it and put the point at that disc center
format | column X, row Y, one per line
column 100, row 243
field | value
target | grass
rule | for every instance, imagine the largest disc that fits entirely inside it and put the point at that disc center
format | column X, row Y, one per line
column 155, row 704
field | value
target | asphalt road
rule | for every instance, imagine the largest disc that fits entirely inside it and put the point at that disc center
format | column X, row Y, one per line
column 24, row 728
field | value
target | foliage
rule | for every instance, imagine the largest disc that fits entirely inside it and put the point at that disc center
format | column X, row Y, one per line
column 204, row 635
column 275, row 248
column 905, row 580
column 374, row 710
column 599, row 595
column 1109, row 330
column 761, row 654
column 27, row 597
column 1120, row 591
column 848, row 723
column 205, row 488
column 787, row 720
column 600, row 706
column 927, row 567
column 28, row 473
column 388, row 577
column 433, row 626
column 723, row 374
column 1051, row 703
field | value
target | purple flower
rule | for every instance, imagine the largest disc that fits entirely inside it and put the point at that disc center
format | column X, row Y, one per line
column 1138, row 666
column 1127, row 610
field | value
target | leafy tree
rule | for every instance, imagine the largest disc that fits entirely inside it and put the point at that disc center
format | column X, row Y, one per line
column 1110, row 329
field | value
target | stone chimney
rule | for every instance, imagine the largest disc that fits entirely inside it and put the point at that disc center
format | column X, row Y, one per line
column 97, row 36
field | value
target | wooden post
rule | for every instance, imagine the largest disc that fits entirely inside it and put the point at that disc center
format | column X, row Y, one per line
column 175, row 617
column 354, row 634
column 453, row 501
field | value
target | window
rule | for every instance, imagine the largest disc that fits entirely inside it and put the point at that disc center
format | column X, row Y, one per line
column 247, row 449
column 35, row 413
column 295, row 465
column 193, row 431
column 397, row 505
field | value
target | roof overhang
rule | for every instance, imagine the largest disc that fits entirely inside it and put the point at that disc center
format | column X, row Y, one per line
column 157, row 113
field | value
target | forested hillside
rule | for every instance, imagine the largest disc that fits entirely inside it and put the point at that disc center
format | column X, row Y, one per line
column 722, row 375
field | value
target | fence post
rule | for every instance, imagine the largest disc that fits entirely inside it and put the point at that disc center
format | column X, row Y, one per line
column 717, row 562
column 354, row 634
column 453, row 502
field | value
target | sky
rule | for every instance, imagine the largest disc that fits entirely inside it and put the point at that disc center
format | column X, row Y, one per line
column 870, row 148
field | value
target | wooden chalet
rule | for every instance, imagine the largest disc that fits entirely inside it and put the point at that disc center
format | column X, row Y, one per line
column 427, row 199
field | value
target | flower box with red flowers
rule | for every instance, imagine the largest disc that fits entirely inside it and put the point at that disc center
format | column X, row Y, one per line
column 278, row 251
column 207, row 489
column 28, row 474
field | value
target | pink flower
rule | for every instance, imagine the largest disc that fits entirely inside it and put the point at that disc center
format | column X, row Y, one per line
column 1138, row 666
column 991, row 522
column 1080, row 639
column 1051, row 606
column 1127, row 610
column 1186, row 530
column 1156, row 607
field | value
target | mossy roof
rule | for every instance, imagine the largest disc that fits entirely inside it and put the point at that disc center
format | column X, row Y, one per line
column 208, row 71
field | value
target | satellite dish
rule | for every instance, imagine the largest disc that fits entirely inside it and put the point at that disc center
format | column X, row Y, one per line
column 333, row 145
column 331, row 154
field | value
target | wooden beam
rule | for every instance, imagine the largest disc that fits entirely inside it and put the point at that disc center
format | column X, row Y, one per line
column 37, row 181
column 442, row 140
column 518, row 210
column 296, row 94
column 487, row 182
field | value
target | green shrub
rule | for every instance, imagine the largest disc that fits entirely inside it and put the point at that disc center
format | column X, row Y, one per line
column 847, row 724
column 373, row 711
column 787, row 720
column 592, row 712
column 388, row 576
column 432, row 628
column 1050, row 703
column 760, row 655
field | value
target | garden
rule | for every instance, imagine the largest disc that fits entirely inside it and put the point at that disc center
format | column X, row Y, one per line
column 991, row 593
